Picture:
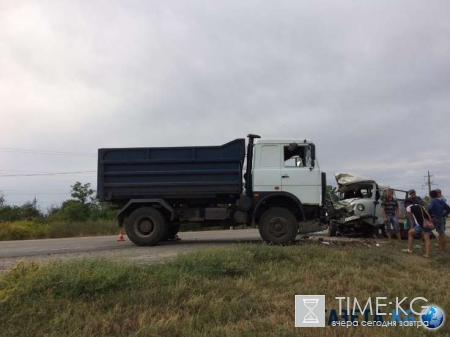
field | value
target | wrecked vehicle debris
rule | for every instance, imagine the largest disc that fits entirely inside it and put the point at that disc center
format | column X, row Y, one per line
column 358, row 210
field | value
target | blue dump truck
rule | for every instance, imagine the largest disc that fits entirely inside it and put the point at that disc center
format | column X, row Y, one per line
column 157, row 189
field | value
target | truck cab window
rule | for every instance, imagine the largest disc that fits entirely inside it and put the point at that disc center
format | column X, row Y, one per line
column 308, row 162
column 294, row 156
column 270, row 157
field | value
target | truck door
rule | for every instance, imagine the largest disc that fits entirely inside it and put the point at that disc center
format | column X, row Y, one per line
column 266, row 174
column 296, row 176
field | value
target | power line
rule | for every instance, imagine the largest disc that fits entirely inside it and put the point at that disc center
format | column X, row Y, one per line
column 35, row 194
column 30, row 171
column 47, row 174
column 24, row 171
column 32, row 191
column 47, row 152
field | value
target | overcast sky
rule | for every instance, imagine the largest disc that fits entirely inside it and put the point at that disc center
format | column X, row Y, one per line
column 368, row 81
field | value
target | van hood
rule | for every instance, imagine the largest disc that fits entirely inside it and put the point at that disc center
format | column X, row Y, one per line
column 346, row 179
column 345, row 204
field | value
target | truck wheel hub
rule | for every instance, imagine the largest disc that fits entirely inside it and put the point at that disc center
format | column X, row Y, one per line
column 278, row 227
column 144, row 226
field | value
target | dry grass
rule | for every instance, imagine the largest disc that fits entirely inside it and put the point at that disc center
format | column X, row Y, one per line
column 25, row 230
column 28, row 229
column 242, row 291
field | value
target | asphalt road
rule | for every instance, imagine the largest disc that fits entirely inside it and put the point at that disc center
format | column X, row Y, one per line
column 48, row 250
column 23, row 248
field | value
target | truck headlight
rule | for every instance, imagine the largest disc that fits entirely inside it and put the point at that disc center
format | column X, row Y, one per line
column 360, row 207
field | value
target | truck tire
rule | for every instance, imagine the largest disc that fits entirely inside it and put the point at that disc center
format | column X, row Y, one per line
column 146, row 226
column 278, row 226
column 172, row 231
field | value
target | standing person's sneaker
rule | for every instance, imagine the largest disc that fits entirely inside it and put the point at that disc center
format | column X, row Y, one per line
column 407, row 251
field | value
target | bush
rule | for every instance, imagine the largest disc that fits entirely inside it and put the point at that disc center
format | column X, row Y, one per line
column 24, row 230
column 27, row 211
column 84, row 207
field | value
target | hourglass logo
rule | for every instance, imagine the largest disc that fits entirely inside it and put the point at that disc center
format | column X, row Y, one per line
column 310, row 311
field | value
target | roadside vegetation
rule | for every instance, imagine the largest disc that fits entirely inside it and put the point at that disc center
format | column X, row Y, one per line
column 26, row 230
column 241, row 291
column 82, row 215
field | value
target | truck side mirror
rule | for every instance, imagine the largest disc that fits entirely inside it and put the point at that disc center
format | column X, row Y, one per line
column 313, row 155
column 313, row 151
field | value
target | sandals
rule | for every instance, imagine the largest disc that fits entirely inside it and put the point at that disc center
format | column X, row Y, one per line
column 410, row 252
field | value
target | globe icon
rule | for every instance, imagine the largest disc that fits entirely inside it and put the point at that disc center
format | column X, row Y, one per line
column 432, row 317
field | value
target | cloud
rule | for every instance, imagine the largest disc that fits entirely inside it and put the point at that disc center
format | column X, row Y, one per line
column 368, row 81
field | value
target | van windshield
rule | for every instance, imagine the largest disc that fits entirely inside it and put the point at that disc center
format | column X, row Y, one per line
column 361, row 191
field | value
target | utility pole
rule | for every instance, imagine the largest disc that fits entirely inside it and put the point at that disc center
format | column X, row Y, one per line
column 429, row 182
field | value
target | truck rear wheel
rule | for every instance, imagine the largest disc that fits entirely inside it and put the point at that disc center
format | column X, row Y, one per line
column 278, row 226
column 146, row 226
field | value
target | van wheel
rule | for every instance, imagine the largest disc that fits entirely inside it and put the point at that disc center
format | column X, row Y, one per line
column 146, row 226
column 332, row 229
column 278, row 226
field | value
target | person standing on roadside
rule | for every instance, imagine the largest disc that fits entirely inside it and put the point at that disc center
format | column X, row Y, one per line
column 439, row 193
column 439, row 210
column 389, row 211
column 416, row 213
column 415, row 199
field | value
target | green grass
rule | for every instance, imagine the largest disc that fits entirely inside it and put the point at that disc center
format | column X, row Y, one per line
column 241, row 291
column 24, row 230
column 27, row 230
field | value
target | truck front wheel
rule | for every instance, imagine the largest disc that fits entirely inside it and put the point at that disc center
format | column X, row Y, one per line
column 146, row 226
column 278, row 226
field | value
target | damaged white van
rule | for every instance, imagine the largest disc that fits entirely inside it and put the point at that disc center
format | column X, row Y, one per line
column 358, row 210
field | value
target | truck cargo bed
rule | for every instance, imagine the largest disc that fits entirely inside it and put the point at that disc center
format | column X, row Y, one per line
column 171, row 172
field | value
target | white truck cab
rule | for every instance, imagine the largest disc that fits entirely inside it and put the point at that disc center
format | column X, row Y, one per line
column 288, row 169
column 286, row 165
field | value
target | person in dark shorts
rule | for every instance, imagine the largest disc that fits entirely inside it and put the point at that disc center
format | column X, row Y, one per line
column 439, row 210
column 415, row 200
column 390, row 210
column 416, row 213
